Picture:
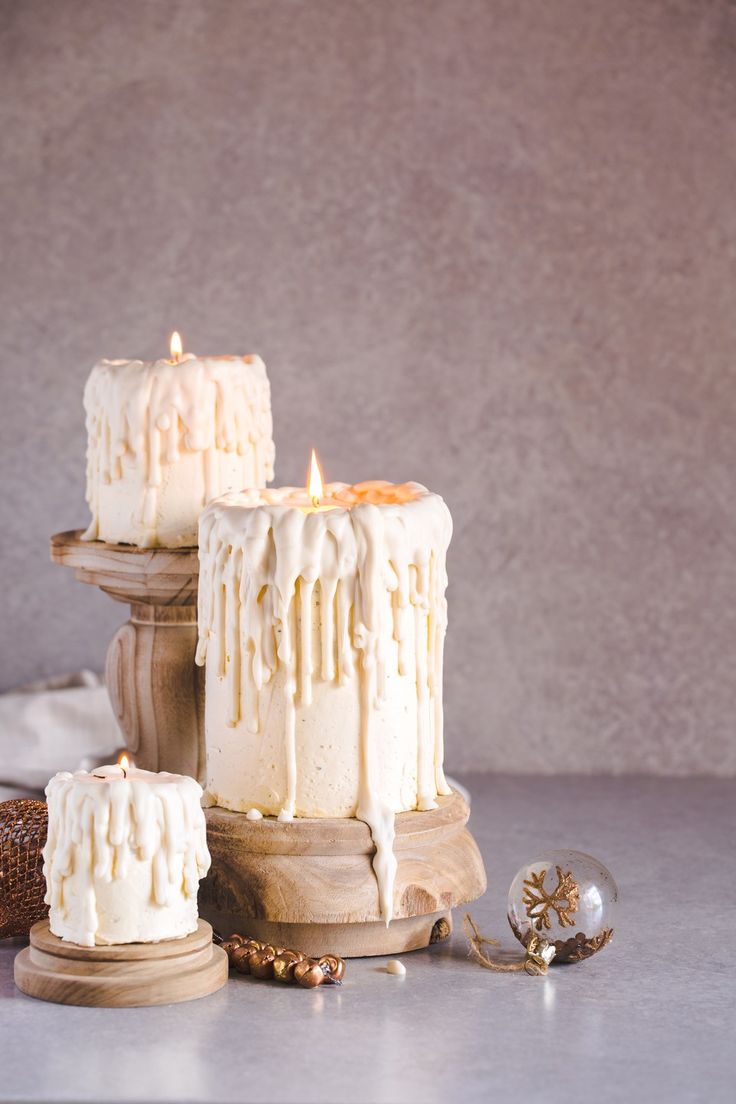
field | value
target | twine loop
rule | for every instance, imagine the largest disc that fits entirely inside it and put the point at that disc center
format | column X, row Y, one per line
column 539, row 952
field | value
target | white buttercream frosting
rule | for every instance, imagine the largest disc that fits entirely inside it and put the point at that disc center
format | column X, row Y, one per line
column 165, row 438
column 124, row 855
column 323, row 631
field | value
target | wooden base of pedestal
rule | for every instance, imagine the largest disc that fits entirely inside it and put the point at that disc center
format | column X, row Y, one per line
column 309, row 884
column 122, row 976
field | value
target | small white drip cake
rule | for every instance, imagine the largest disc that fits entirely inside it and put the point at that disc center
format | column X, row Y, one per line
column 166, row 437
column 322, row 629
column 124, row 856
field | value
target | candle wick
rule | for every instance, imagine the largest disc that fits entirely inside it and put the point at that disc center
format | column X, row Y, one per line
column 315, row 501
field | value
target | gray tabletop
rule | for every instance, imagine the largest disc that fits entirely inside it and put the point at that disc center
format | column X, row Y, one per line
column 651, row 1018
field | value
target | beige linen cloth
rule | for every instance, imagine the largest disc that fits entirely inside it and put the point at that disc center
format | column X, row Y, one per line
column 64, row 723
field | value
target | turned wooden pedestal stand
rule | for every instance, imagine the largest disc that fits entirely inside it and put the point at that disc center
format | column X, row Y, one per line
column 307, row 884
column 155, row 688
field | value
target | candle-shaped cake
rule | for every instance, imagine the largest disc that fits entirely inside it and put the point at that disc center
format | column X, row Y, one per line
column 166, row 437
column 321, row 623
column 125, row 851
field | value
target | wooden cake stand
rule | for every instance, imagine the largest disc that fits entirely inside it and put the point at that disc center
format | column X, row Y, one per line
column 309, row 883
column 155, row 688
column 122, row 976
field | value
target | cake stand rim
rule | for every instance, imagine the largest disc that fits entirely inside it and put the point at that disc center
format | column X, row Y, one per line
column 333, row 835
column 144, row 576
column 71, row 539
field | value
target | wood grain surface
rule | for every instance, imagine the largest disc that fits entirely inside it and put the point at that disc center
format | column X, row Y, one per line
column 311, row 881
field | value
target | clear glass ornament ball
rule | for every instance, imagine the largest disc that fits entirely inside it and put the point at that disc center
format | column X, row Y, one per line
column 568, row 898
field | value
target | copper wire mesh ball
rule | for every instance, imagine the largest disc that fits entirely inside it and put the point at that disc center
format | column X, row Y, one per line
column 23, row 829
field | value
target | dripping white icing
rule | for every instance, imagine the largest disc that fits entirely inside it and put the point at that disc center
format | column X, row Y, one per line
column 110, row 827
column 144, row 418
column 375, row 553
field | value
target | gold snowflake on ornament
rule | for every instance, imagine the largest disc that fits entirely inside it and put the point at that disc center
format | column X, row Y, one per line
column 563, row 899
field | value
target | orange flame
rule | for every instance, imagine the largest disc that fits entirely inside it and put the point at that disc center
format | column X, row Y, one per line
column 125, row 763
column 176, row 347
column 315, row 487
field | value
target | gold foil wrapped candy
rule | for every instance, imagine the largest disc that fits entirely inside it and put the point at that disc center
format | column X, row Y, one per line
column 229, row 945
column 308, row 973
column 261, row 963
column 262, row 960
column 240, row 958
column 283, row 965
column 333, row 965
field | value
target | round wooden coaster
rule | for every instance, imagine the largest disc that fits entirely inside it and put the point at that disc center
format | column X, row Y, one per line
column 121, row 976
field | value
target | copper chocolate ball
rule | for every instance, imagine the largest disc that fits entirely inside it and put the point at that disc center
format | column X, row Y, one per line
column 229, row 945
column 333, row 965
column 261, row 964
column 284, row 963
column 308, row 973
column 240, row 959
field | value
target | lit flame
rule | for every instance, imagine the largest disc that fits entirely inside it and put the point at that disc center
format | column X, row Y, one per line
column 176, row 347
column 315, row 486
column 124, row 762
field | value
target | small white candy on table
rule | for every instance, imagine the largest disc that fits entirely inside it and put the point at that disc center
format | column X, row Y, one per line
column 393, row 966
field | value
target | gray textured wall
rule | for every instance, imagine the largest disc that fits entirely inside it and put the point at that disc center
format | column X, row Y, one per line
column 488, row 246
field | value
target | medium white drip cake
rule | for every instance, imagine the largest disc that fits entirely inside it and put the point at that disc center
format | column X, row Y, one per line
column 166, row 437
column 322, row 629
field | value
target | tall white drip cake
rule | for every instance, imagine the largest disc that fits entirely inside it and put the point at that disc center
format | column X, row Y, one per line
column 165, row 438
column 322, row 630
column 124, row 855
